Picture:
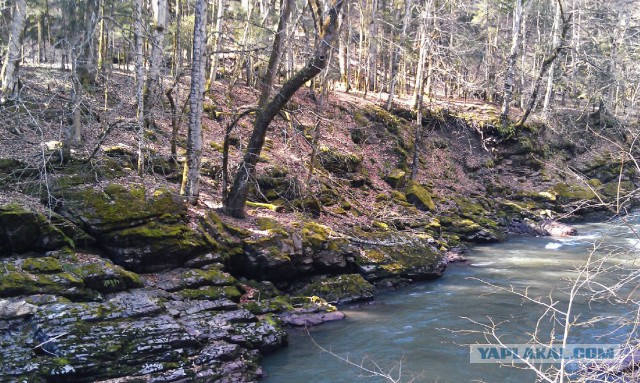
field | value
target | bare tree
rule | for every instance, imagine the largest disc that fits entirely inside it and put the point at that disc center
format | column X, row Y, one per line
column 511, row 62
column 220, row 8
column 140, row 84
column 87, row 62
column 11, row 64
column 191, row 177
column 153, row 89
column 558, row 42
column 395, row 60
column 558, row 19
column 236, row 200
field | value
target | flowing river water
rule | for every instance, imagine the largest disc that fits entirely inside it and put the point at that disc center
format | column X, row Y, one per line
column 427, row 327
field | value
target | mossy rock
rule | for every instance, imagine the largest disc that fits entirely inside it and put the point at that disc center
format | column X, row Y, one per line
column 102, row 275
column 275, row 183
column 396, row 178
column 419, row 197
column 611, row 189
column 391, row 122
column 44, row 265
column 212, row 293
column 12, row 170
column 566, row 192
column 120, row 151
column 308, row 205
column 346, row 288
column 469, row 208
column 16, row 281
column 119, row 207
column 277, row 304
column 138, row 231
column 180, row 279
column 478, row 229
column 315, row 235
column 154, row 246
column 358, row 135
column 10, row 165
column 79, row 237
column 388, row 255
column 337, row 162
column 23, row 230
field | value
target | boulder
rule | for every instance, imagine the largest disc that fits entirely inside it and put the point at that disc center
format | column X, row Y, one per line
column 384, row 255
column 143, row 232
column 337, row 162
column 10, row 309
column 396, row 178
column 311, row 319
column 557, row 229
column 23, row 230
column 419, row 197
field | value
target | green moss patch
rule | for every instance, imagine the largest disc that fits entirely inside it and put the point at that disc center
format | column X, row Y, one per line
column 338, row 162
column 212, row 293
column 341, row 289
column 396, row 178
column 419, row 197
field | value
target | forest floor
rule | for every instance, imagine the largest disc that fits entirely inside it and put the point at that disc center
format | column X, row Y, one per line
column 43, row 114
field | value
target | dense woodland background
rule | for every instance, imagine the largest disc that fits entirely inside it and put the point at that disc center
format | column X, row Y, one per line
column 536, row 56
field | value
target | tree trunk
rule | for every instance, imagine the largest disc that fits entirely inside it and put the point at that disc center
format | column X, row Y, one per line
column 511, row 62
column 422, row 56
column 139, row 85
column 217, row 44
column 87, row 63
column 557, row 20
column 177, row 46
column 416, row 139
column 546, row 64
column 240, row 58
column 11, row 65
column 103, row 40
column 191, row 177
column 343, row 49
column 372, row 54
column 236, row 200
column 40, row 32
column 153, row 91
column 397, row 52
column 276, row 53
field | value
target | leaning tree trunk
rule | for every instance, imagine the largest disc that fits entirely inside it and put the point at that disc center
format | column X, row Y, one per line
column 276, row 53
column 557, row 20
column 511, row 63
column 11, row 65
column 546, row 64
column 153, row 91
column 237, row 197
column 191, row 177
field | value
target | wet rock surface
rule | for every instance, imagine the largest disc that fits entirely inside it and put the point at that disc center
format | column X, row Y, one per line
column 146, row 333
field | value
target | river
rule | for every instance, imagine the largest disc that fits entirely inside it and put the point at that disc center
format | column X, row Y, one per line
column 428, row 326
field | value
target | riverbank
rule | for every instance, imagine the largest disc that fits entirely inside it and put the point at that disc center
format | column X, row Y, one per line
column 109, row 276
column 427, row 326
